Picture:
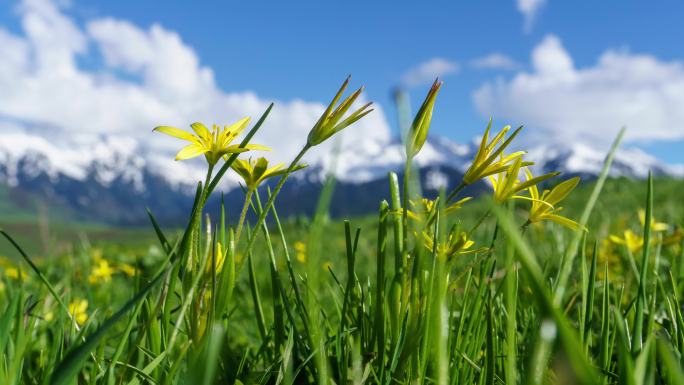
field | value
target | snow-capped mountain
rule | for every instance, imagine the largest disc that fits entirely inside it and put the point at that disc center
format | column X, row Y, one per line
column 580, row 159
column 113, row 180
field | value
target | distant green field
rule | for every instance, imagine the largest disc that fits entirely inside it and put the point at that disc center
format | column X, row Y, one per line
column 617, row 206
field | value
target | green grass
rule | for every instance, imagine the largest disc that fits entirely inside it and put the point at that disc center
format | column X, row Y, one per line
column 481, row 295
column 383, row 299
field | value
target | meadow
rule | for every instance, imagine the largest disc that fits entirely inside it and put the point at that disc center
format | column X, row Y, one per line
column 545, row 280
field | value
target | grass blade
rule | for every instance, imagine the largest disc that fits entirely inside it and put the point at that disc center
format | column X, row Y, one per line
column 69, row 367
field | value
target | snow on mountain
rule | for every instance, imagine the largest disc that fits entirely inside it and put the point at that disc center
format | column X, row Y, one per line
column 113, row 179
column 577, row 158
column 108, row 158
column 375, row 159
column 104, row 158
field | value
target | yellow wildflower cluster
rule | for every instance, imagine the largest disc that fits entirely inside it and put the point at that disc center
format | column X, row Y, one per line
column 300, row 250
column 128, row 269
column 101, row 273
column 633, row 241
column 78, row 310
column 15, row 273
column 503, row 171
column 608, row 256
column 490, row 162
column 254, row 172
column 102, row 270
column 490, row 159
column 425, row 210
column 457, row 243
column 11, row 270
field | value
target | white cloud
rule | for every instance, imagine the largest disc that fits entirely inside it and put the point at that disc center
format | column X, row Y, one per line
column 495, row 61
column 45, row 91
column 558, row 101
column 529, row 10
column 426, row 72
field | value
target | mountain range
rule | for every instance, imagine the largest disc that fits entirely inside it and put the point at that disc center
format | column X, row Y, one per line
column 112, row 181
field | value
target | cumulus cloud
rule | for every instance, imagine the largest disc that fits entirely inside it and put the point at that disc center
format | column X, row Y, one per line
column 148, row 77
column 494, row 61
column 559, row 101
column 529, row 10
column 426, row 72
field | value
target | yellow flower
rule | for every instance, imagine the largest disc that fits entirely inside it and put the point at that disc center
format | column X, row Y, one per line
column 544, row 206
column 421, row 123
column 630, row 239
column 254, row 172
column 220, row 258
column 49, row 316
column 212, row 144
column 329, row 123
column 456, row 244
column 101, row 273
column 327, row 266
column 607, row 256
column 485, row 162
column 300, row 249
column 655, row 226
column 507, row 184
column 425, row 210
column 13, row 273
column 128, row 269
column 77, row 309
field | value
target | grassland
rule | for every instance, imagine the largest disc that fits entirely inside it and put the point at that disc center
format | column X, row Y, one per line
column 506, row 288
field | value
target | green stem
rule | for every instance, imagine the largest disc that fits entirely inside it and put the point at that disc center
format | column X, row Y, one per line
column 195, row 220
column 480, row 222
column 243, row 213
column 455, row 192
column 205, row 186
column 524, row 227
column 404, row 204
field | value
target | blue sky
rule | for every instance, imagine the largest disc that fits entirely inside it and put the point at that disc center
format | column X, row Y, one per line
column 303, row 50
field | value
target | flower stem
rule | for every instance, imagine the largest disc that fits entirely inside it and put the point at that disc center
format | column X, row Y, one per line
column 524, row 227
column 455, row 192
column 404, row 204
column 195, row 220
column 480, row 221
column 205, row 186
column 243, row 213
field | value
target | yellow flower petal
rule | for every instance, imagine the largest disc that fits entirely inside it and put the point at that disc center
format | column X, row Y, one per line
column 257, row 147
column 190, row 151
column 563, row 221
column 237, row 127
column 177, row 133
column 202, row 131
column 562, row 190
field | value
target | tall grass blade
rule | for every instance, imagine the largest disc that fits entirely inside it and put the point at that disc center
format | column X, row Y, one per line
column 637, row 331
column 571, row 250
